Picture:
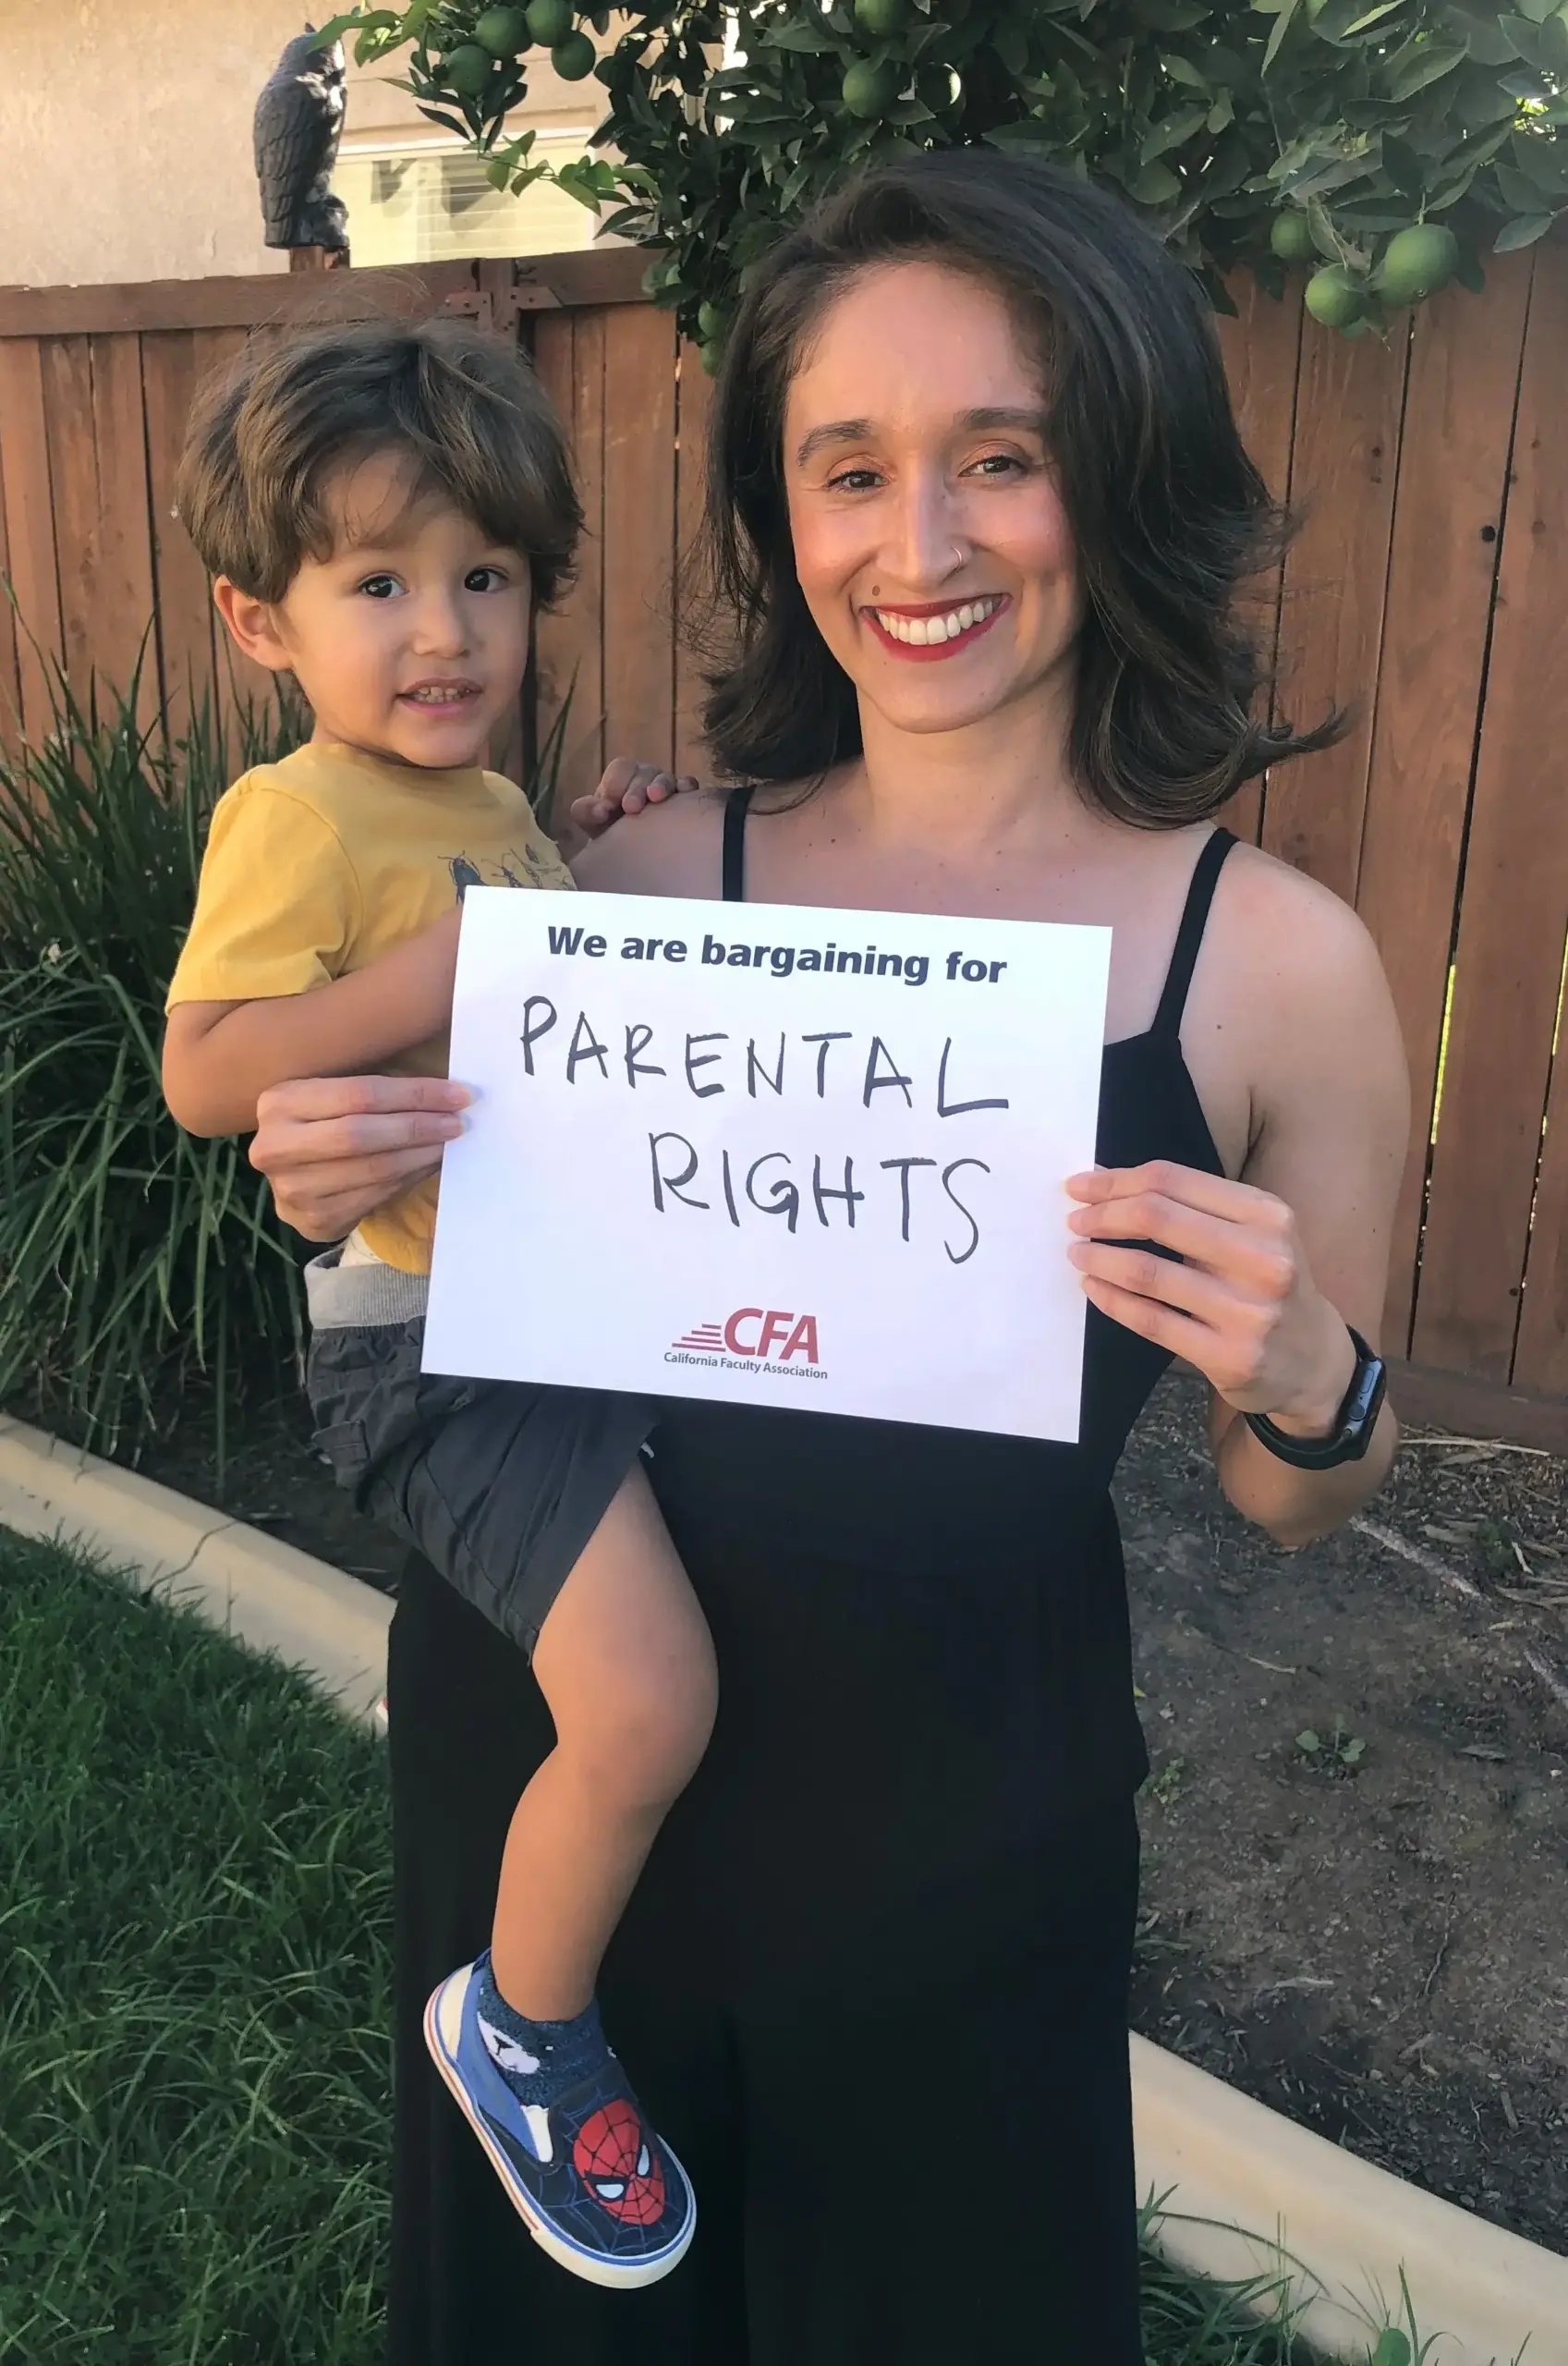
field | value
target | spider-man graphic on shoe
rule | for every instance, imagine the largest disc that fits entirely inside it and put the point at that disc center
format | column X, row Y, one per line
column 592, row 2182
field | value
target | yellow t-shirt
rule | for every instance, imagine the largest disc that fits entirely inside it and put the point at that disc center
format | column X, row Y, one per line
column 318, row 865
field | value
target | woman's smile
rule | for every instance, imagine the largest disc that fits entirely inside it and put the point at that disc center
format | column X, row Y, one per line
column 932, row 629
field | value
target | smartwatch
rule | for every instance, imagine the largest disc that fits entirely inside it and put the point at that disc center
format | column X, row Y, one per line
column 1354, row 1423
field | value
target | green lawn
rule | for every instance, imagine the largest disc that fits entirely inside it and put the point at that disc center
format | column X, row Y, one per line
column 195, row 2002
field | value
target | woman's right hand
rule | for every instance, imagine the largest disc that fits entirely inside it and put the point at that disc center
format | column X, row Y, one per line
column 334, row 1148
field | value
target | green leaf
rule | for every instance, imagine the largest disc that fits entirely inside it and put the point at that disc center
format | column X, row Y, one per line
column 1520, row 196
column 1309, row 1741
column 1172, row 131
column 1283, row 22
column 1525, row 38
column 1425, row 63
column 1181, row 69
column 1402, row 166
column 1393, row 2348
column 1156, row 185
column 811, row 39
column 1369, row 16
column 1522, row 233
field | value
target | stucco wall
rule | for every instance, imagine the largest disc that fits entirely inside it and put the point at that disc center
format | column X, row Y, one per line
column 124, row 134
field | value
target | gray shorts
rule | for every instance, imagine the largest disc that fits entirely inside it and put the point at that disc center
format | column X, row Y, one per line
column 498, row 1485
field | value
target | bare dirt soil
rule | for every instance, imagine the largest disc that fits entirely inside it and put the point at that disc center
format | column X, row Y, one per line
column 1371, row 1936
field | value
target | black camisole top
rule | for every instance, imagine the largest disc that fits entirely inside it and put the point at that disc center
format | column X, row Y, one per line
column 959, row 1504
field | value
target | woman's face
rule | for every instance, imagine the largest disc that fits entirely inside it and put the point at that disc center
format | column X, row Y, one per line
column 930, row 536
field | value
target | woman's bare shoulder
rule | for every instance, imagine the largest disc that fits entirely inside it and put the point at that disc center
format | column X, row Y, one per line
column 1288, row 928
column 1298, row 981
column 670, row 849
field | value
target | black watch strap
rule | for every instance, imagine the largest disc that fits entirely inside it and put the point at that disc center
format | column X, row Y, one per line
column 1354, row 1424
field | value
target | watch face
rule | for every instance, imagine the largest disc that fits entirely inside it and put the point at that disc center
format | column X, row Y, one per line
column 1363, row 1405
column 1351, row 1436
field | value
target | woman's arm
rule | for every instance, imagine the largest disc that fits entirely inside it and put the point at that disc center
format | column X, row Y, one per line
column 1277, row 1265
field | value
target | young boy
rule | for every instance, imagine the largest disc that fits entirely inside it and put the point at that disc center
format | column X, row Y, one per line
column 379, row 507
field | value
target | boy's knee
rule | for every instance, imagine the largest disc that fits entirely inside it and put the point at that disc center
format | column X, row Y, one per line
column 640, row 1743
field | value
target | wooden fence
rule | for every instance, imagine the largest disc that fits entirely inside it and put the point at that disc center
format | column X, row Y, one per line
column 1424, row 591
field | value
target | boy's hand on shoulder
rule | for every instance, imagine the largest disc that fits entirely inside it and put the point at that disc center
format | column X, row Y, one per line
column 626, row 788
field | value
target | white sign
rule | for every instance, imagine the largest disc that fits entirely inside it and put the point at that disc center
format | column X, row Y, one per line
column 771, row 1154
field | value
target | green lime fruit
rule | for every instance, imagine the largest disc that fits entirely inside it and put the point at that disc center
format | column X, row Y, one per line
column 503, row 31
column 573, row 58
column 711, row 355
column 468, row 70
column 870, row 91
column 711, row 319
column 882, row 18
column 1291, row 237
column 1334, row 297
column 938, row 87
column 551, row 20
column 1417, row 262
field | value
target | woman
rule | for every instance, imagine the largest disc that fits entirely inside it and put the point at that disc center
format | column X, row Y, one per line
column 978, row 500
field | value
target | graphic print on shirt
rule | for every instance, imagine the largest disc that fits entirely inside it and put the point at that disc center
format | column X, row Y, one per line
column 510, row 869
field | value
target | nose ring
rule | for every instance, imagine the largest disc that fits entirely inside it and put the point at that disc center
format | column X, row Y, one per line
column 957, row 555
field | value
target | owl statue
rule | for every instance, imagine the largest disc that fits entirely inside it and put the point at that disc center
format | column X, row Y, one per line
column 299, row 120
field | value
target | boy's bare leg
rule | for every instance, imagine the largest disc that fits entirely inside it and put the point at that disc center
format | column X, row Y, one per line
column 626, row 1664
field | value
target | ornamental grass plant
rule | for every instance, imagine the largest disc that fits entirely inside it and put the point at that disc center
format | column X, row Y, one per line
column 132, row 1257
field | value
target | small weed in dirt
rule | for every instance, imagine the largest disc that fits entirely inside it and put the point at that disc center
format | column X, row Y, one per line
column 1338, row 1751
column 1495, row 1543
column 1166, row 1786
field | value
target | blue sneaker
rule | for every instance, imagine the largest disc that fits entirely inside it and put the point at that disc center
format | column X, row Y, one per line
column 595, row 2187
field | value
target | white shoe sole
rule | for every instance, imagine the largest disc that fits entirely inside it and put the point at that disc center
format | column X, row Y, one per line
column 444, row 2021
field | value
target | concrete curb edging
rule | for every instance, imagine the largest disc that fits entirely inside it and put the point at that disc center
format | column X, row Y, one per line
column 263, row 1593
column 1219, row 2160
column 1343, row 2229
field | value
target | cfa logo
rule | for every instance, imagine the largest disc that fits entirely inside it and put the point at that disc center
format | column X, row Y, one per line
column 758, row 1333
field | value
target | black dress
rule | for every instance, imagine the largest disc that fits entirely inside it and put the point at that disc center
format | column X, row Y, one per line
column 873, row 1985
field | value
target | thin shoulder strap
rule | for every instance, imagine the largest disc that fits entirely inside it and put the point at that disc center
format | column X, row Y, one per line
column 1189, row 936
column 737, row 805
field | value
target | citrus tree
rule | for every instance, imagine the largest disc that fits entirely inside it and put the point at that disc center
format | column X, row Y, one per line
column 1383, row 146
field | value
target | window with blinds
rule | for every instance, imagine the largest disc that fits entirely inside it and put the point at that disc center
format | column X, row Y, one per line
column 433, row 205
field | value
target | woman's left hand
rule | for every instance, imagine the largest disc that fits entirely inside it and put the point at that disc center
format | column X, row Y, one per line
column 1241, row 1306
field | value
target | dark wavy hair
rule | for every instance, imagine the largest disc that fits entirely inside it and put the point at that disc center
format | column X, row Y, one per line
column 1169, row 517
column 465, row 410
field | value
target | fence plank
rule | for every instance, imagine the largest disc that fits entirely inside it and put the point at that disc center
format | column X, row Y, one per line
column 239, row 683
column 1261, row 347
column 29, row 527
column 1541, row 1359
column 10, row 680
column 694, row 393
column 1509, row 958
column 1448, row 514
column 569, row 645
column 98, row 467
column 170, row 367
column 1342, row 484
column 640, row 533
